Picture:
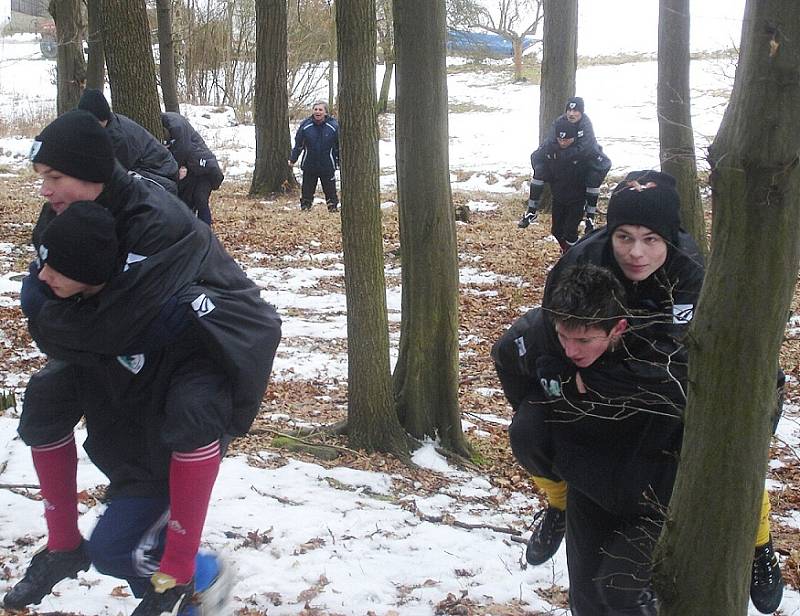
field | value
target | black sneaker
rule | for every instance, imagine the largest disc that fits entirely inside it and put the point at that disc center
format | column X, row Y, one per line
column 333, row 208
column 549, row 526
column 45, row 571
column 165, row 597
column 305, row 206
column 766, row 584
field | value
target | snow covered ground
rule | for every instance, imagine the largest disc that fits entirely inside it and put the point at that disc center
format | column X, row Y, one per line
column 340, row 540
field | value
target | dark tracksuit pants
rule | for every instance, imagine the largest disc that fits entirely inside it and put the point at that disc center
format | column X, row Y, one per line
column 328, row 181
column 608, row 554
column 195, row 191
column 609, row 559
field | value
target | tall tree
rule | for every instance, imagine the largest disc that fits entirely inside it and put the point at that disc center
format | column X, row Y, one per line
column 559, row 59
column 676, row 137
column 70, row 65
column 272, row 173
column 166, row 55
column 739, row 325
column 96, row 57
column 129, row 58
column 426, row 375
column 371, row 419
column 559, row 65
column 386, row 43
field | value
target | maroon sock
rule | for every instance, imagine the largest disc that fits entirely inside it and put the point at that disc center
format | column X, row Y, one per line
column 56, row 465
column 191, row 478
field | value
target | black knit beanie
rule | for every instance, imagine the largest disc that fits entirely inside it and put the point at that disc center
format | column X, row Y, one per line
column 81, row 243
column 95, row 103
column 576, row 102
column 566, row 129
column 75, row 144
column 657, row 208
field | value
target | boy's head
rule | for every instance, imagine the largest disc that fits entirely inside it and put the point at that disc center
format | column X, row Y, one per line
column 78, row 252
column 573, row 110
column 565, row 132
column 644, row 221
column 95, row 103
column 587, row 309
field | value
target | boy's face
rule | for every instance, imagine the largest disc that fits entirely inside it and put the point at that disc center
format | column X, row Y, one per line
column 639, row 251
column 63, row 286
column 584, row 345
column 573, row 115
column 61, row 190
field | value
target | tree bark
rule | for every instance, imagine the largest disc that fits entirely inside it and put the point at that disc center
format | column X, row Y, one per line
column 426, row 376
column 70, row 65
column 131, row 69
column 559, row 64
column 272, row 173
column 166, row 55
column 676, row 137
column 96, row 57
column 371, row 419
column 739, row 325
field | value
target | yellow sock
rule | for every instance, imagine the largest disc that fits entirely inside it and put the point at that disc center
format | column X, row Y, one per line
column 556, row 491
column 762, row 536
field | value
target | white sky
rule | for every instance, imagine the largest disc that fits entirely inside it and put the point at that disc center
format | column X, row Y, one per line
column 369, row 550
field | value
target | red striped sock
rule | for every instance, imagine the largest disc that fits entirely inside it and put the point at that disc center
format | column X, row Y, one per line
column 56, row 465
column 191, row 479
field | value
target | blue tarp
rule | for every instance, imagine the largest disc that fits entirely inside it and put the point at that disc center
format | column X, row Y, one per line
column 483, row 42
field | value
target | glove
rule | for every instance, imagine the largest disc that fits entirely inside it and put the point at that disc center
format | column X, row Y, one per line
column 552, row 155
column 588, row 226
column 553, row 371
column 34, row 293
column 530, row 215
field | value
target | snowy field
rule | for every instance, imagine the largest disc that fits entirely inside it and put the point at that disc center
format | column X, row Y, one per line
column 340, row 540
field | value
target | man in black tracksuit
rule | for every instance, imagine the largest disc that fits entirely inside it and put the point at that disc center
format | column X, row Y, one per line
column 317, row 138
column 166, row 361
column 574, row 177
column 198, row 170
column 584, row 148
column 607, row 409
column 134, row 147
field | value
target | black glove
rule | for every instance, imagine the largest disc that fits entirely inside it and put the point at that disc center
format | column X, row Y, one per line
column 163, row 330
column 34, row 293
column 553, row 371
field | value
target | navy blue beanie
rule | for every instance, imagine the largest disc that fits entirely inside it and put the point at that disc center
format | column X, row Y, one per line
column 576, row 102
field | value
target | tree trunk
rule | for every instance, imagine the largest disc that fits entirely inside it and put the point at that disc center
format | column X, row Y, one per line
column 559, row 64
column 676, row 137
column 516, row 46
column 272, row 173
column 70, row 65
column 166, row 55
column 386, row 84
column 96, row 58
column 131, row 69
column 426, row 376
column 371, row 419
column 739, row 325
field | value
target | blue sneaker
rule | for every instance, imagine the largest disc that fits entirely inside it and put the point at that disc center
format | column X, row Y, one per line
column 213, row 581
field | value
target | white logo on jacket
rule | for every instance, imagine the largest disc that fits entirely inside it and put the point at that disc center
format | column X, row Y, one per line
column 131, row 259
column 202, row 305
column 132, row 363
column 682, row 313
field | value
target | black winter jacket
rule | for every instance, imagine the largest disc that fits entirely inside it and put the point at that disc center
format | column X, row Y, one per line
column 138, row 151
column 189, row 149
column 319, row 144
column 167, row 254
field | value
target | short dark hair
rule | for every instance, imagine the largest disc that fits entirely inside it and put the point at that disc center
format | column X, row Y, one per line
column 587, row 295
